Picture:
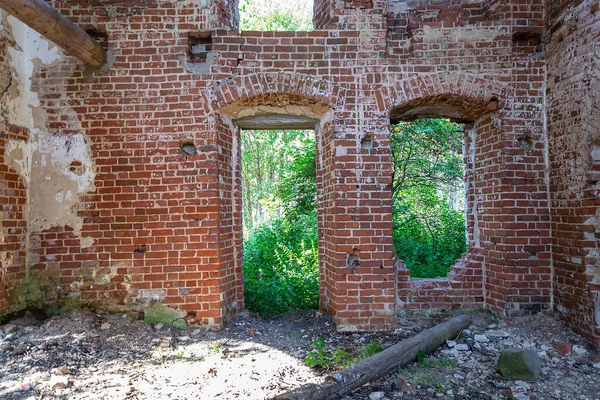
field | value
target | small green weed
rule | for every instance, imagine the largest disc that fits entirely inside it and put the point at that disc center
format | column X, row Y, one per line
column 369, row 350
column 421, row 355
column 436, row 362
column 326, row 360
column 216, row 347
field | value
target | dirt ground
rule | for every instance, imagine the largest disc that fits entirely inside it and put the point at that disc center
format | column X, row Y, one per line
column 85, row 355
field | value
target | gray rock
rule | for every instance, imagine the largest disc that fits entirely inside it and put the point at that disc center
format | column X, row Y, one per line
column 376, row 395
column 521, row 364
column 481, row 339
column 461, row 347
column 497, row 333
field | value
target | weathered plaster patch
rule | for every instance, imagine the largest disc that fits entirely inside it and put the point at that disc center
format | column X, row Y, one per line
column 462, row 34
column 53, row 188
column 86, row 242
column 31, row 51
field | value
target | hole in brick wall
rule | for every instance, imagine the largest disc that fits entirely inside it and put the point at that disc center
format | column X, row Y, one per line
column 526, row 143
column 528, row 40
column 76, row 167
column 366, row 143
column 140, row 248
column 493, row 104
column 187, row 147
column 99, row 36
column 352, row 260
column 199, row 47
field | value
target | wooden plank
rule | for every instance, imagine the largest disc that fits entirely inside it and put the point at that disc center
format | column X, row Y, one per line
column 400, row 354
column 276, row 122
column 45, row 19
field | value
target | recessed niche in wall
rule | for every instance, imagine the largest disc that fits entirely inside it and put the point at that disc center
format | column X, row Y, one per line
column 200, row 56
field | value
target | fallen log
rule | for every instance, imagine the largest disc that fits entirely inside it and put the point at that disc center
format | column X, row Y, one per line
column 400, row 354
column 45, row 19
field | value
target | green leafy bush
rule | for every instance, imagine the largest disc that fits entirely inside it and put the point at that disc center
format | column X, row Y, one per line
column 281, row 262
column 428, row 196
column 324, row 359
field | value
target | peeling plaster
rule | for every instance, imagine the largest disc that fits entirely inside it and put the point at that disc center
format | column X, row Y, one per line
column 31, row 51
column 462, row 34
column 53, row 189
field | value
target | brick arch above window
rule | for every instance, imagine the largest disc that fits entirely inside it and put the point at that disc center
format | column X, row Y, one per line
column 461, row 97
column 288, row 91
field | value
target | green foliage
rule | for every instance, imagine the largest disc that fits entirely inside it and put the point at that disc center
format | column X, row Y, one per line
column 370, row 349
column 427, row 180
column 298, row 189
column 421, row 355
column 281, row 270
column 324, row 359
column 268, row 158
column 280, row 15
column 281, row 264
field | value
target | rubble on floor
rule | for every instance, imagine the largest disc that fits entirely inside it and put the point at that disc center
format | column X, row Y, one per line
column 85, row 355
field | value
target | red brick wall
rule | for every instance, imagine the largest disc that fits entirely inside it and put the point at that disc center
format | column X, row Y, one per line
column 166, row 226
column 573, row 104
column 12, row 194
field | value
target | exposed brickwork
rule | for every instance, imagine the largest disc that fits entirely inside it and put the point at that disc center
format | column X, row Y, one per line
column 573, row 81
column 162, row 225
column 13, row 225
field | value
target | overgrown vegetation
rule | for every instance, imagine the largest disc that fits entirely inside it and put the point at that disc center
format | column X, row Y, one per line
column 281, row 270
column 280, row 210
column 280, row 15
column 428, row 195
column 279, row 193
column 324, row 359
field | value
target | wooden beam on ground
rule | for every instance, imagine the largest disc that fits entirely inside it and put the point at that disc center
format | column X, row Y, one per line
column 374, row 367
column 45, row 19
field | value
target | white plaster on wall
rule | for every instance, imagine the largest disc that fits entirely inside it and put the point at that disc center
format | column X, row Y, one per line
column 31, row 51
column 44, row 162
column 53, row 189
column 462, row 34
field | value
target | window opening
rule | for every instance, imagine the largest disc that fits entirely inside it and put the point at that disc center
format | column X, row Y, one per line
column 428, row 195
column 280, row 15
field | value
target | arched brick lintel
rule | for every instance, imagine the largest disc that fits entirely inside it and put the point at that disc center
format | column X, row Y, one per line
column 490, row 94
column 260, row 85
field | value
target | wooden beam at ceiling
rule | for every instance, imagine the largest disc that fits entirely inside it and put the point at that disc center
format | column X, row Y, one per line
column 45, row 19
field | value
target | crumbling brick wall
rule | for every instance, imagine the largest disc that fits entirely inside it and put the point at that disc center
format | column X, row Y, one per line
column 573, row 104
column 12, row 193
column 162, row 224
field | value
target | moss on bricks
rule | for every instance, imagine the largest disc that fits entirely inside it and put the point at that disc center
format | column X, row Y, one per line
column 159, row 313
